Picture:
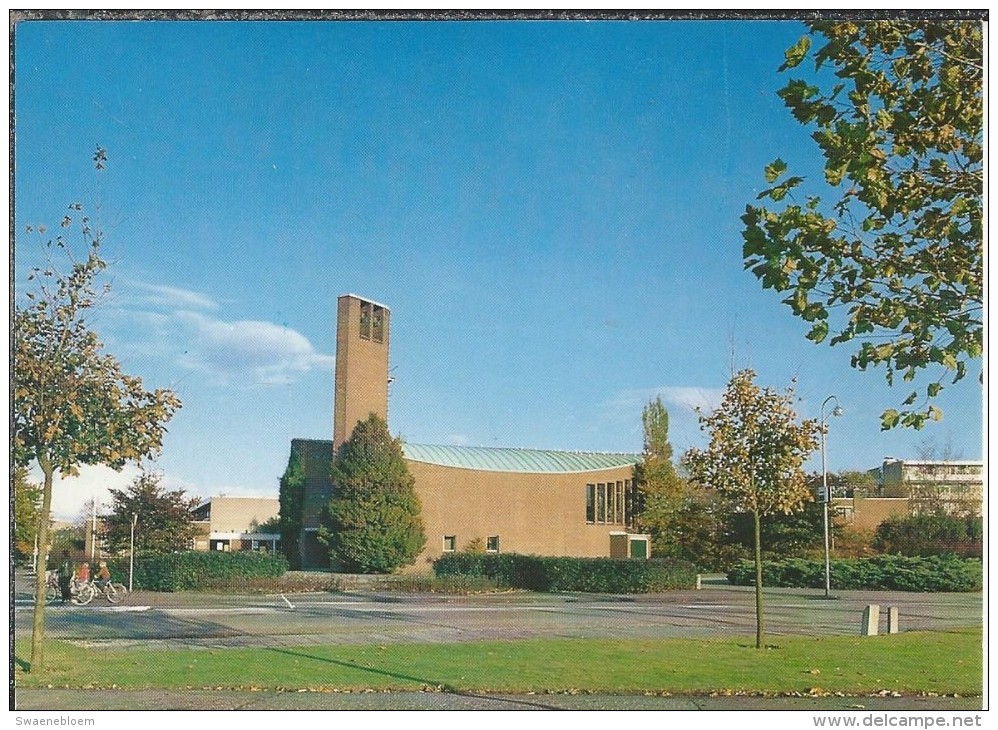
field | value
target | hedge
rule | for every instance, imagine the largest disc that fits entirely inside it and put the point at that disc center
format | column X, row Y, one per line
column 934, row 574
column 197, row 570
column 585, row 575
column 931, row 534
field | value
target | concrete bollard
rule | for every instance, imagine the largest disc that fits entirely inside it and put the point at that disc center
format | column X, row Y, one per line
column 893, row 620
column 699, row 584
column 871, row 620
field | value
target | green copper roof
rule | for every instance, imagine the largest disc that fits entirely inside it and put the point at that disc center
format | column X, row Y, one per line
column 531, row 461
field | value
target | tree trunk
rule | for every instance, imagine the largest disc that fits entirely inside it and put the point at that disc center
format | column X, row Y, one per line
column 758, row 582
column 38, row 624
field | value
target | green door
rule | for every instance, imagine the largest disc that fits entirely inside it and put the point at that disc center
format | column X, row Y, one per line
column 639, row 549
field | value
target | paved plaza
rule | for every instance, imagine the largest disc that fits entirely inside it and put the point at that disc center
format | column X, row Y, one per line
column 208, row 621
column 222, row 620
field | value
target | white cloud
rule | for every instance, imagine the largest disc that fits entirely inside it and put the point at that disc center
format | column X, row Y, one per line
column 175, row 297
column 706, row 399
column 683, row 398
column 247, row 350
column 173, row 327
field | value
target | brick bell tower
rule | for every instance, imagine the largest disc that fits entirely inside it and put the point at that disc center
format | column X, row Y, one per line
column 361, row 384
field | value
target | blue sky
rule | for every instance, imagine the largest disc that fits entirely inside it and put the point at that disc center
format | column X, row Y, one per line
column 550, row 209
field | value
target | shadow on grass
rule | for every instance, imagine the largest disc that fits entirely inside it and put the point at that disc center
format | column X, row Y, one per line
column 24, row 665
column 437, row 685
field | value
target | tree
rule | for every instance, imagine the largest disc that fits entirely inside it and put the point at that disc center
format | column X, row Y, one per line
column 291, row 500
column 165, row 521
column 26, row 503
column 271, row 526
column 72, row 403
column 702, row 530
column 784, row 535
column 897, row 260
column 846, row 483
column 659, row 488
column 373, row 520
column 755, row 458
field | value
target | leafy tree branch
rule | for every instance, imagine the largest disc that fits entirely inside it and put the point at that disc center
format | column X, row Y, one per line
column 895, row 261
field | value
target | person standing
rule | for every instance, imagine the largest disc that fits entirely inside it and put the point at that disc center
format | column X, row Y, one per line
column 65, row 576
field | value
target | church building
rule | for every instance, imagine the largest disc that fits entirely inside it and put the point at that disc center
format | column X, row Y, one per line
column 527, row 501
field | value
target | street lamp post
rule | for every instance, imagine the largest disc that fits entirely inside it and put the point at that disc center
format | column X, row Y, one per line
column 837, row 411
column 131, row 552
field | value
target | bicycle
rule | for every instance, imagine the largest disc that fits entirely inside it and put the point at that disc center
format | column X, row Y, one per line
column 113, row 592
column 81, row 593
column 52, row 590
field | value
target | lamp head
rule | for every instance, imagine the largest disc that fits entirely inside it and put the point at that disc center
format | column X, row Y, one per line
column 838, row 411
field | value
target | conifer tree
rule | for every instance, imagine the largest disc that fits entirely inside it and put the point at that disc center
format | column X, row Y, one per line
column 373, row 522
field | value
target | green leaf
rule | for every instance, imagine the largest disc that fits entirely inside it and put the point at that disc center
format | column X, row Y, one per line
column 889, row 419
column 774, row 169
column 796, row 53
column 818, row 332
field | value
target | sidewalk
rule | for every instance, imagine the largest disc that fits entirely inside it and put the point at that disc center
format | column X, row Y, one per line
column 88, row 700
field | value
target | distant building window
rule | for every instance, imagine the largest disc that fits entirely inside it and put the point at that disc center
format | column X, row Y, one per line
column 601, row 503
column 450, row 543
column 492, row 544
column 590, row 503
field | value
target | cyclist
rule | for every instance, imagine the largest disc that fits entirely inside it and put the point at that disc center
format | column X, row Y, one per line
column 83, row 574
column 103, row 576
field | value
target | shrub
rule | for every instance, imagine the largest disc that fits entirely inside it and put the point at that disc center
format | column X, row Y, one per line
column 195, row 570
column 586, row 575
column 930, row 534
column 461, row 585
column 938, row 573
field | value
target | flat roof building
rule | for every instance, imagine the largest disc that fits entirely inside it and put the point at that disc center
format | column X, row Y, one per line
column 232, row 523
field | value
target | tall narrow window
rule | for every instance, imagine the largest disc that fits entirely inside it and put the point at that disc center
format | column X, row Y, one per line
column 610, row 502
column 601, row 503
column 618, row 515
column 378, row 324
column 365, row 320
column 590, row 503
column 629, row 489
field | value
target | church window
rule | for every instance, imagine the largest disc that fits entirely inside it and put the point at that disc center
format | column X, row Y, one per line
column 365, row 320
column 378, row 324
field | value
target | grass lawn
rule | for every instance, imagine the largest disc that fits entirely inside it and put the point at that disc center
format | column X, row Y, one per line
column 908, row 663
